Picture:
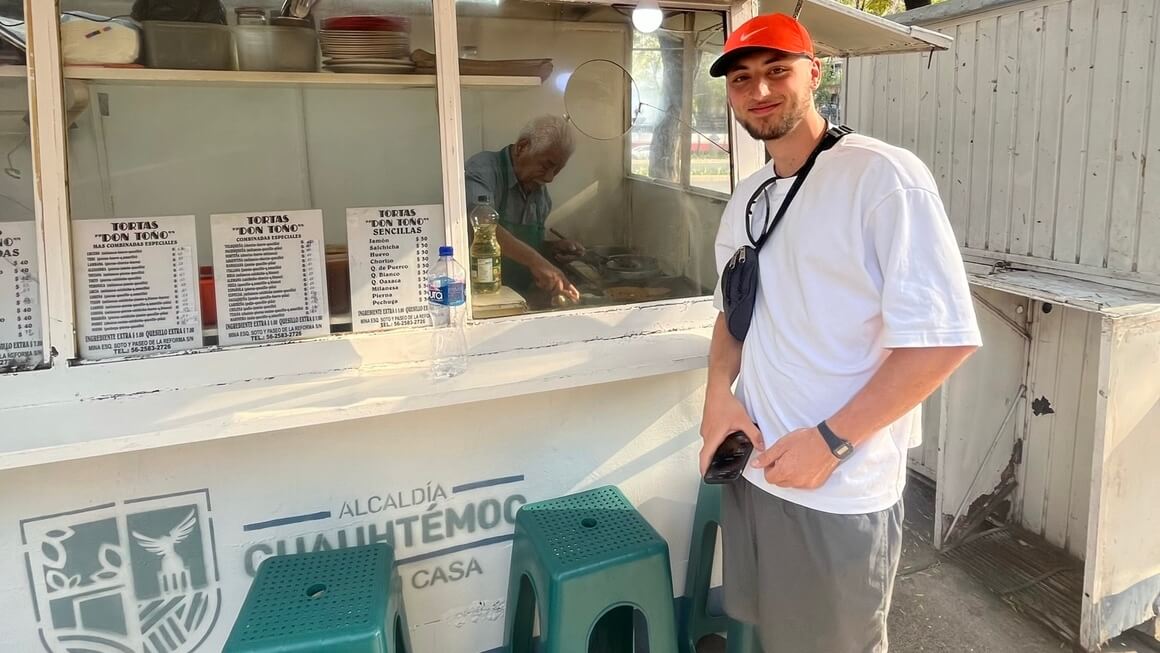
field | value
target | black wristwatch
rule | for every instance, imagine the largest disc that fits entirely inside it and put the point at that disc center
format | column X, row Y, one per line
column 842, row 449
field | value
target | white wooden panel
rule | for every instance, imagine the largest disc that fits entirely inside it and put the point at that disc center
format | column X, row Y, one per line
column 1056, row 470
column 1085, row 433
column 849, row 97
column 924, row 458
column 978, row 398
column 1028, row 62
column 854, row 98
column 867, row 67
column 962, row 140
column 1101, row 138
column 1122, row 577
column 1052, row 112
column 1003, row 141
column 895, row 93
column 1147, row 246
column 946, row 72
column 982, row 134
column 927, row 108
column 1066, row 402
column 1139, row 20
column 1076, row 116
column 882, row 93
column 1046, row 348
column 1051, row 140
column 907, row 107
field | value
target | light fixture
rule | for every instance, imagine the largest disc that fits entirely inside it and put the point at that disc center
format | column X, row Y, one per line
column 647, row 16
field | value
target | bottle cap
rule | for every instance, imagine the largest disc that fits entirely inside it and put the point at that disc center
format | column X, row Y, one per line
column 446, row 250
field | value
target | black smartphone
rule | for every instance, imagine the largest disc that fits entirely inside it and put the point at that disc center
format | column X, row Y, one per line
column 730, row 459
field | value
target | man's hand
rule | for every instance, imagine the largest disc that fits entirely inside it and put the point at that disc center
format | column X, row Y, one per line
column 549, row 278
column 801, row 460
column 723, row 415
column 563, row 248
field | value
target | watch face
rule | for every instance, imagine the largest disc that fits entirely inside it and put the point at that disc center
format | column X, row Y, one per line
column 843, row 450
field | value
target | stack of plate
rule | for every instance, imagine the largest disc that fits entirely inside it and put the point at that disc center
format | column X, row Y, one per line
column 366, row 44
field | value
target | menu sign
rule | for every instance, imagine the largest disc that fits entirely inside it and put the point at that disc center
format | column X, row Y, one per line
column 20, row 340
column 269, row 276
column 390, row 251
column 136, row 286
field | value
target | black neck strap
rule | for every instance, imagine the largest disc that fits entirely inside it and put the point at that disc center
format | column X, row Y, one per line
column 833, row 135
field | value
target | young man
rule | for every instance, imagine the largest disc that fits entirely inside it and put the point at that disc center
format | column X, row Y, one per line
column 862, row 310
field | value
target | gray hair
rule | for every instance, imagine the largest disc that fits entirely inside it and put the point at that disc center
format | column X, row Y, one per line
column 548, row 131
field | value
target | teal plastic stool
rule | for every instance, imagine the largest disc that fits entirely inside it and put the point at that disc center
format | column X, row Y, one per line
column 696, row 621
column 341, row 601
column 577, row 557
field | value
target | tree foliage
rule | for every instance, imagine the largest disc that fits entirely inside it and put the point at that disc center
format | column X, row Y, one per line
column 885, row 7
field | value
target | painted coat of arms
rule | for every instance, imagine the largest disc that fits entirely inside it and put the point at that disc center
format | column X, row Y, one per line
column 138, row 576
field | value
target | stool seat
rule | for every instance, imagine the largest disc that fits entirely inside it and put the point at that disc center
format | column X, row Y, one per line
column 593, row 528
column 339, row 601
column 576, row 558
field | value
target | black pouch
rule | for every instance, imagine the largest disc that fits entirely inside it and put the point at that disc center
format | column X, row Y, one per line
column 739, row 290
column 739, row 279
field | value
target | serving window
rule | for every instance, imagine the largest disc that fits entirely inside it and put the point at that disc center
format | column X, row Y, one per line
column 241, row 175
column 612, row 174
column 237, row 169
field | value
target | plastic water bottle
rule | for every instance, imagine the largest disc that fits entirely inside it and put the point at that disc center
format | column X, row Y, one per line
column 446, row 298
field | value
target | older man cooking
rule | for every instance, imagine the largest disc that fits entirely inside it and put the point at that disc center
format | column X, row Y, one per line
column 516, row 179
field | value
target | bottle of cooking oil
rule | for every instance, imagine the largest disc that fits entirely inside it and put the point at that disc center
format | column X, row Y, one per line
column 486, row 265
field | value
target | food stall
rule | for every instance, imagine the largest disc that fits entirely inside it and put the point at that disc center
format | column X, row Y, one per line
column 213, row 319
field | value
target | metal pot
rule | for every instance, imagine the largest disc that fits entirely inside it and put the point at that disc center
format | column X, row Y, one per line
column 630, row 267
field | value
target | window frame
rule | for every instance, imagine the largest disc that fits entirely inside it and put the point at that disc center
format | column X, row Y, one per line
column 685, row 165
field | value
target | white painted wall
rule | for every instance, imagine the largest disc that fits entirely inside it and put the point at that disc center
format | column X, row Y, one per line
column 1038, row 124
column 638, row 435
column 1122, row 581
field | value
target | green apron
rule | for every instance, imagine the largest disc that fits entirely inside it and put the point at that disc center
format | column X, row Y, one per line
column 516, row 276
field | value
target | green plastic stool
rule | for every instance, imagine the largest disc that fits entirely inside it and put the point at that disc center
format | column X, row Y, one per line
column 577, row 557
column 341, row 601
column 696, row 621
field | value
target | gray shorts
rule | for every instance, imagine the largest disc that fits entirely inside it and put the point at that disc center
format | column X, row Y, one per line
column 812, row 582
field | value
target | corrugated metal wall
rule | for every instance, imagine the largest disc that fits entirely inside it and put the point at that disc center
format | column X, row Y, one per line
column 1038, row 126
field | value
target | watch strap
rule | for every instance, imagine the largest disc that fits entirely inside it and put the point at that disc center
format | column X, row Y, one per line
column 840, row 447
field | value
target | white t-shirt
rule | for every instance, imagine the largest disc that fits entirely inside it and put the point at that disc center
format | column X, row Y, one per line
column 863, row 261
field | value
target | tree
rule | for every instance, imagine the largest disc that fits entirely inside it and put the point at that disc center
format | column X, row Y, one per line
column 877, row 7
column 884, row 7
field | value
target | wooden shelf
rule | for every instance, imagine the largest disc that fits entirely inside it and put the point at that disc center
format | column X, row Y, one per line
column 252, row 78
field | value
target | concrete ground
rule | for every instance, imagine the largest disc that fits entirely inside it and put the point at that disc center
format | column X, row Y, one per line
column 939, row 608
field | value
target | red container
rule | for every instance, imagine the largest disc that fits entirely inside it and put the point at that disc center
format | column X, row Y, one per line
column 208, row 298
column 368, row 23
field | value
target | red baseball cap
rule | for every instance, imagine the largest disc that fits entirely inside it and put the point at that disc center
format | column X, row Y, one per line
column 767, row 32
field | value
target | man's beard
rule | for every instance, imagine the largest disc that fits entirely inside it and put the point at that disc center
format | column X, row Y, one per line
column 795, row 111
